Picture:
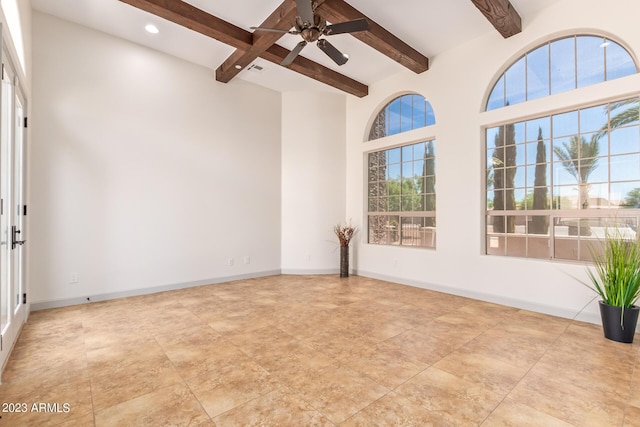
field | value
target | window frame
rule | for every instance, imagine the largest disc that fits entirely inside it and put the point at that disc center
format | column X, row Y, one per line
column 425, row 235
column 500, row 78
column 604, row 92
column 428, row 112
column 621, row 215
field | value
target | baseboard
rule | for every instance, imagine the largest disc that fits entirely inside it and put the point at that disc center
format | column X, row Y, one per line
column 44, row 305
column 303, row 272
column 511, row 302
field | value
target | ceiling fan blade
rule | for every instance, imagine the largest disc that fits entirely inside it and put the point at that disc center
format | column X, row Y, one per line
column 305, row 10
column 333, row 53
column 347, row 27
column 275, row 30
column 293, row 54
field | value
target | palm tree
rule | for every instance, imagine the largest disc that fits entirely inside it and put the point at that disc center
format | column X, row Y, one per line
column 624, row 117
column 627, row 116
column 578, row 157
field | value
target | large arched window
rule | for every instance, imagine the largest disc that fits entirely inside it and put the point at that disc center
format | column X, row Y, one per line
column 561, row 65
column 401, row 184
column 404, row 113
column 558, row 181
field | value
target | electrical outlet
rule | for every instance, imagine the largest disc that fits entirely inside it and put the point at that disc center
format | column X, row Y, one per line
column 247, row 259
column 230, row 262
column 74, row 277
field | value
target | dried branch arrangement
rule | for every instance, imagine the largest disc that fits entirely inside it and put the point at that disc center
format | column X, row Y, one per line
column 345, row 233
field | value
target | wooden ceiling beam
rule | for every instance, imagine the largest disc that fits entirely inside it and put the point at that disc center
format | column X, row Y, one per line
column 377, row 37
column 188, row 16
column 283, row 18
column 502, row 16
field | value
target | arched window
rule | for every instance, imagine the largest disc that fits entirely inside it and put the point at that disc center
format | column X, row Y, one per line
column 401, row 184
column 558, row 181
column 405, row 113
column 561, row 65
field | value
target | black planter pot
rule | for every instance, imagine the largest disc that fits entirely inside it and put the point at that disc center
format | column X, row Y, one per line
column 613, row 330
column 344, row 261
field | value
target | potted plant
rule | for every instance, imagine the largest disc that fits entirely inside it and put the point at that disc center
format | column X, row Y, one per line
column 616, row 280
column 345, row 233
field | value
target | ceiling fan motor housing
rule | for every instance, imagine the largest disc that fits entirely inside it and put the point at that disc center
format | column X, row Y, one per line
column 311, row 33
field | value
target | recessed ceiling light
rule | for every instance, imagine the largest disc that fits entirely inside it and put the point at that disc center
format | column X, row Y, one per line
column 238, row 67
column 152, row 29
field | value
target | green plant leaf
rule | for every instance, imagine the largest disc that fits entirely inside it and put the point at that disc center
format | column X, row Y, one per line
column 616, row 269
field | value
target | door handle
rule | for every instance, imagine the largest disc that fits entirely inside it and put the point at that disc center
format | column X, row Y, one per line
column 14, row 235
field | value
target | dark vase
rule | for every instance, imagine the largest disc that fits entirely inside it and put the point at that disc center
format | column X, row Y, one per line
column 344, row 261
column 615, row 331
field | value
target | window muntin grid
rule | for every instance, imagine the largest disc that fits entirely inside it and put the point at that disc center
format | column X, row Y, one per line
column 561, row 65
column 555, row 183
column 401, row 195
column 404, row 113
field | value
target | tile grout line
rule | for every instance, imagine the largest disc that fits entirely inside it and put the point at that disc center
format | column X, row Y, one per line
column 633, row 373
column 429, row 365
column 222, row 336
column 178, row 372
column 392, row 390
column 86, row 358
column 280, row 386
column 549, row 347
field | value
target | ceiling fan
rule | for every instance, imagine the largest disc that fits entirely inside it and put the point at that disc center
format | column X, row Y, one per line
column 311, row 27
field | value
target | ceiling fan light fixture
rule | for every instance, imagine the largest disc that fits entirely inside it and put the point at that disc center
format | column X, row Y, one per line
column 152, row 29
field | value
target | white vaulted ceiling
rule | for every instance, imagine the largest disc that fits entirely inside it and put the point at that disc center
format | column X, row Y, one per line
column 429, row 26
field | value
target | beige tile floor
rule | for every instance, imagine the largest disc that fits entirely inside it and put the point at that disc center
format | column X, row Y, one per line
column 317, row 351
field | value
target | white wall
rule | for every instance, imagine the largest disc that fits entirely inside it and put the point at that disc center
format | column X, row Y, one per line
column 457, row 85
column 313, row 177
column 145, row 171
